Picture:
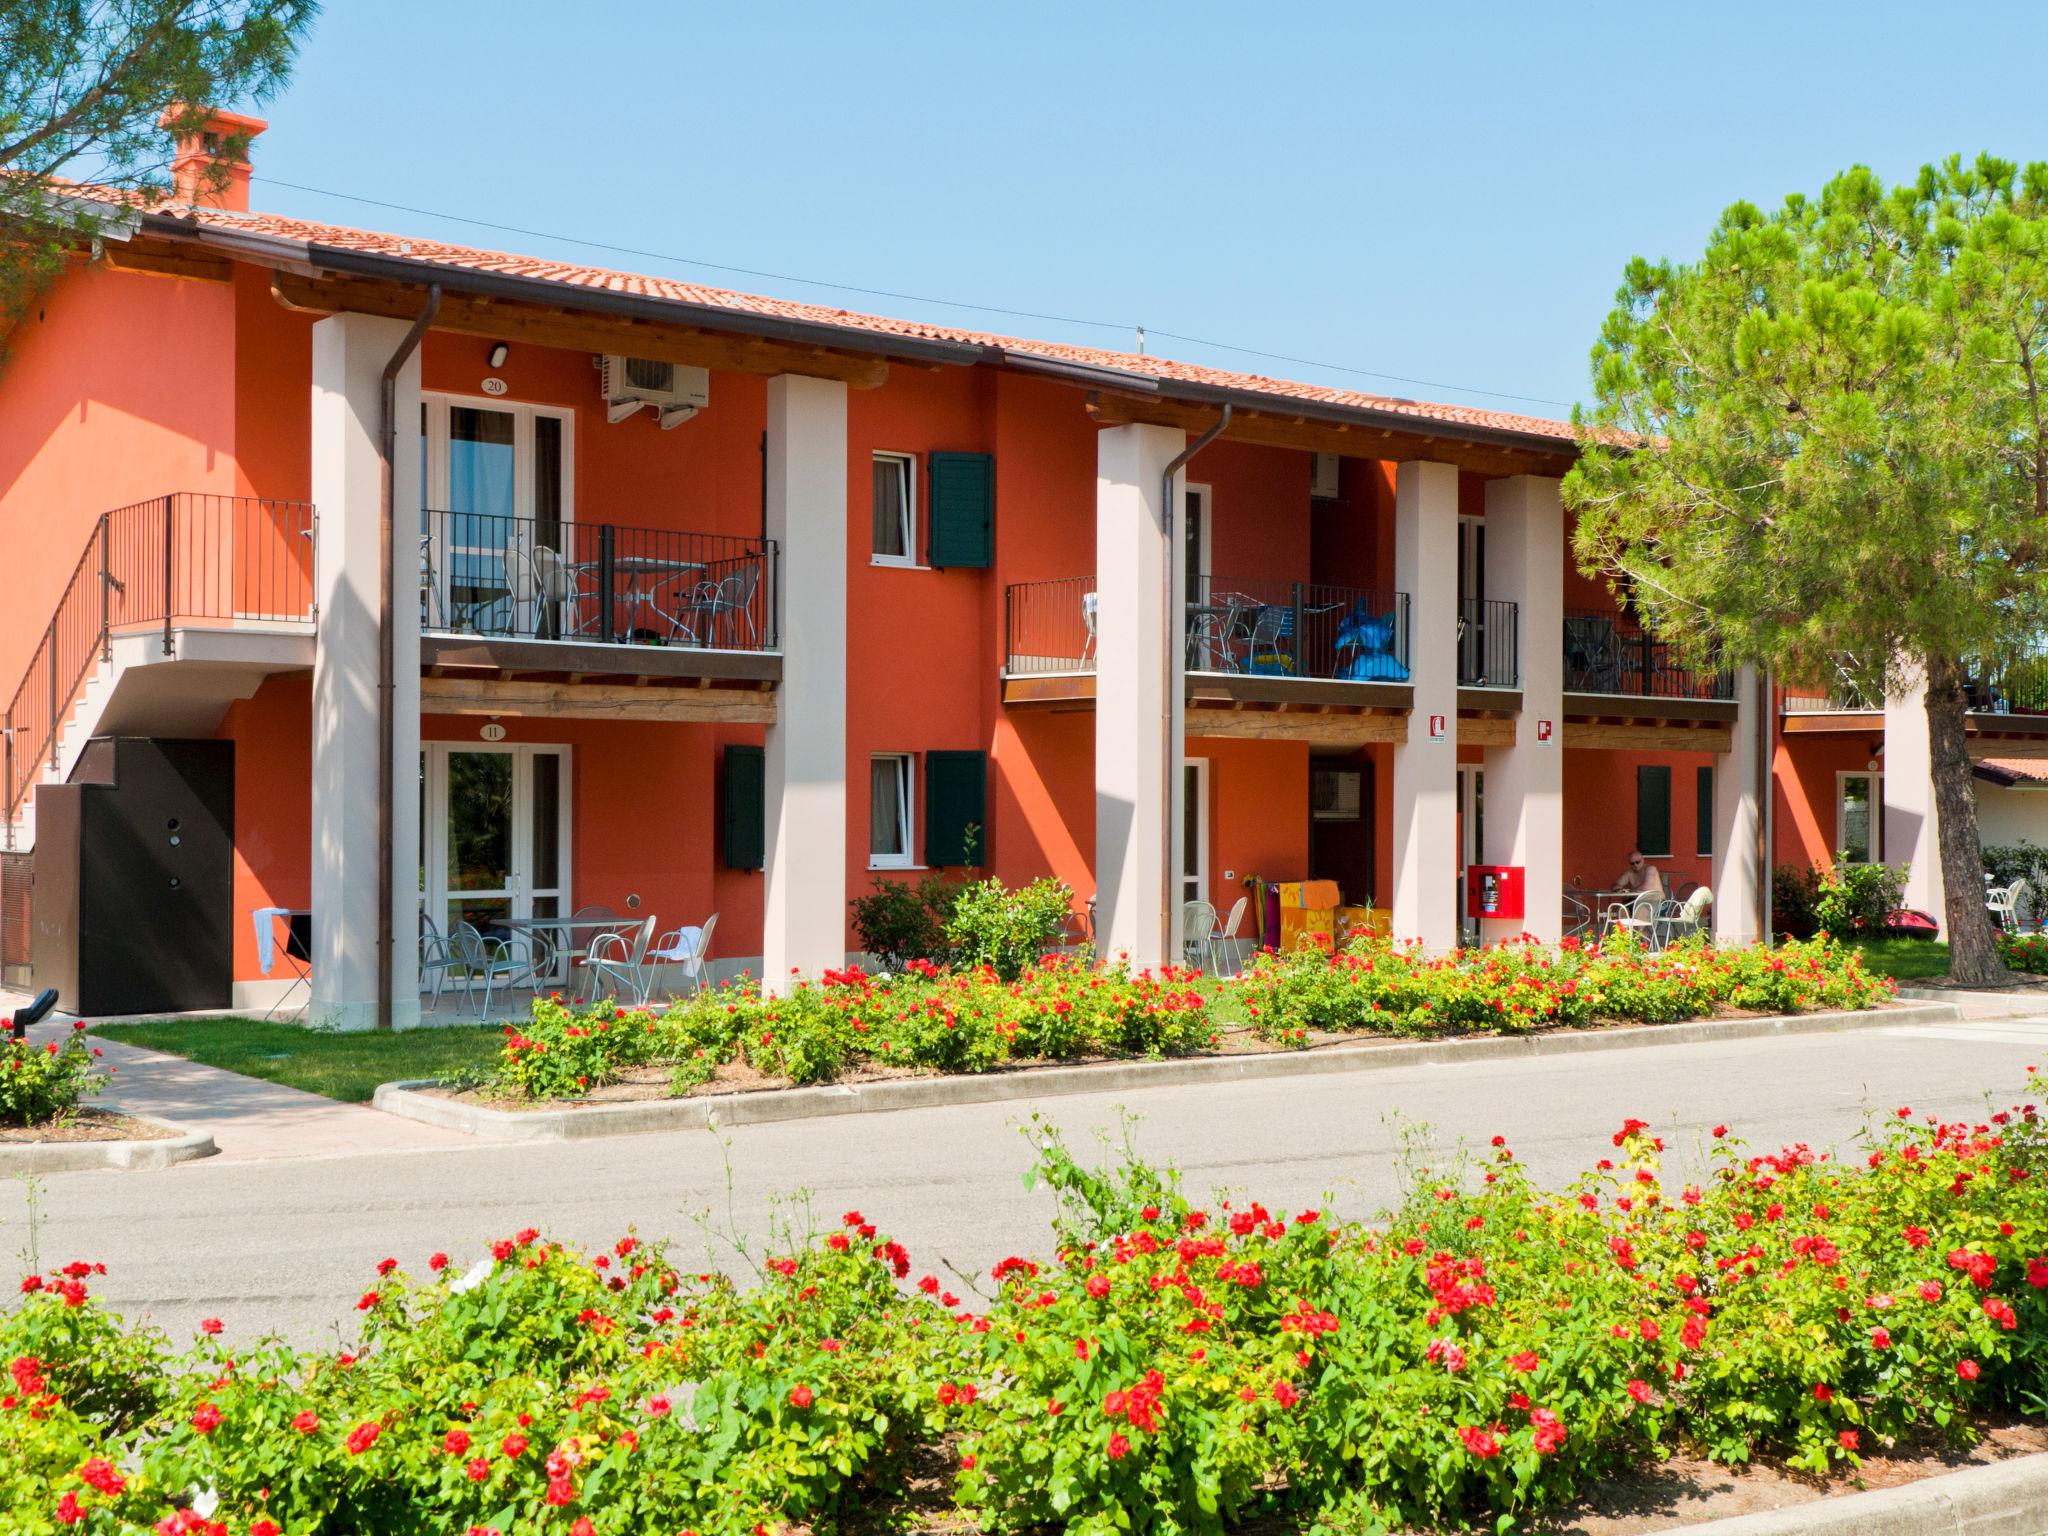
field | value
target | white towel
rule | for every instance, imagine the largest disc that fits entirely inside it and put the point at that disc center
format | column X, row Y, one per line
column 265, row 919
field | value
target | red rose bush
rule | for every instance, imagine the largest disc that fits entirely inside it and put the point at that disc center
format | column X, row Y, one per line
column 1481, row 1354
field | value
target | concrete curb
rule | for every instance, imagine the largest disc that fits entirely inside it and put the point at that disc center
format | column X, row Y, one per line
column 2009, row 1498
column 404, row 1098
column 82, row 1156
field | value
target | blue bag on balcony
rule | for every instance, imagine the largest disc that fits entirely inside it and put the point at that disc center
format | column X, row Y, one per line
column 1365, row 648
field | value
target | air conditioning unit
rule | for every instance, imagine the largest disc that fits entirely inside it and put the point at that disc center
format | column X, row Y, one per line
column 1322, row 476
column 675, row 390
column 1333, row 794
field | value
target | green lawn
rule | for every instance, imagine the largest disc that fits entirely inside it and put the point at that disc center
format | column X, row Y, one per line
column 1905, row 959
column 347, row 1067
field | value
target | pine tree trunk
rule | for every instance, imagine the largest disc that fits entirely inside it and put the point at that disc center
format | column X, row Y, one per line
column 1972, row 950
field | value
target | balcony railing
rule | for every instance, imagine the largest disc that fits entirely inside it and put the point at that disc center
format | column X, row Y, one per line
column 543, row 579
column 1233, row 626
column 1489, row 644
column 186, row 558
column 1611, row 653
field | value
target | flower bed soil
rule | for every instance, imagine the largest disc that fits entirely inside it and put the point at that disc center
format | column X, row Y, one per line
column 650, row 1083
column 86, row 1125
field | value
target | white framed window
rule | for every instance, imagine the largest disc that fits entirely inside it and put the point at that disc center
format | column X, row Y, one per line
column 895, row 515
column 891, row 803
column 1194, row 855
column 1859, row 817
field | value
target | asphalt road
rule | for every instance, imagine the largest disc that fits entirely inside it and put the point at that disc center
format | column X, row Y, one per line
column 287, row 1246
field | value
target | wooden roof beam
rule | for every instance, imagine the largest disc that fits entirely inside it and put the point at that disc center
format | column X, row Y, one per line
column 470, row 315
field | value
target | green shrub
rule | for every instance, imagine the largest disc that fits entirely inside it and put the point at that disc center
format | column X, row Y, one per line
column 1857, row 898
column 1480, row 1357
column 564, row 1051
column 1007, row 930
column 1794, row 890
column 44, row 1084
column 899, row 922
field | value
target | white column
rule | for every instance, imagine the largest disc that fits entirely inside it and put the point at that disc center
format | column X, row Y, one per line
column 1911, row 832
column 1738, row 813
column 804, row 881
column 1524, row 807
column 1139, row 720
column 1425, row 766
column 349, row 356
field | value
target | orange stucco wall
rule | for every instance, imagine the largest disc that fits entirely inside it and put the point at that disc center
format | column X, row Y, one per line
column 1803, row 773
column 1600, row 814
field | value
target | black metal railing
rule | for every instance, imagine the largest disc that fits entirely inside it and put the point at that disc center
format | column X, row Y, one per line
column 1296, row 629
column 1049, row 626
column 2016, row 682
column 1612, row 653
column 189, row 557
column 1489, row 643
column 544, row 579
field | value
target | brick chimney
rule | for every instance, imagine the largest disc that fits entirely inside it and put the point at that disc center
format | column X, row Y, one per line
column 211, row 144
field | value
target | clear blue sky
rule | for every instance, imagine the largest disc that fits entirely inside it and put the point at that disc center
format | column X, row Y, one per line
column 1438, row 191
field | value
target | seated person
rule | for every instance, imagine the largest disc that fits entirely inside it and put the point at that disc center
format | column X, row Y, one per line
column 1641, row 878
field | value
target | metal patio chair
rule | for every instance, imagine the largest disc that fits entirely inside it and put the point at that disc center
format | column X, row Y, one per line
column 716, row 610
column 495, row 962
column 1636, row 918
column 1198, row 935
column 1592, row 655
column 620, row 961
column 1224, row 948
column 563, row 594
column 436, row 959
column 1682, row 919
column 689, row 949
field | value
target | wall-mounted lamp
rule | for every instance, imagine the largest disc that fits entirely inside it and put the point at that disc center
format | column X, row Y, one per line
column 499, row 352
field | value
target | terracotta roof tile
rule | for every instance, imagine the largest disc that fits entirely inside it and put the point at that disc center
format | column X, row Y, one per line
column 2012, row 770
column 440, row 253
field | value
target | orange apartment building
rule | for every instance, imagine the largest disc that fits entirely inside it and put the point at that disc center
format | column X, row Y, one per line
column 705, row 602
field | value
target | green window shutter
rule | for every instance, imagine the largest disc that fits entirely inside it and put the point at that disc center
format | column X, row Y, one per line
column 1703, row 812
column 1653, row 812
column 745, row 822
column 963, row 509
column 955, row 809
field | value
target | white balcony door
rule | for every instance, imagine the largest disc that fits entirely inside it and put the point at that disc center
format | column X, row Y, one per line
column 497, row 481
column 495, row 830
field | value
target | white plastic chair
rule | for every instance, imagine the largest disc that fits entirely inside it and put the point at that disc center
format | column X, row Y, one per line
column 561, row 591
column 2005, row 905
column 1224, row 948
column 689, row 948
column 1198, row 935
column 615, row 959
column 522, row 583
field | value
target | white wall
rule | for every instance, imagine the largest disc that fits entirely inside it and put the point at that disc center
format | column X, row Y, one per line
column 1910, row 833
column 2006, row 816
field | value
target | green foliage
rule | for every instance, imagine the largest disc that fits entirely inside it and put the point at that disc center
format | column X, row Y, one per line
column 899, row 922
column 923, row 1019
column 43, row 1084
column 1007, row 930
column 82, row 84
column 1794, row 890
column 1377, row 987
column 1857, row 898
column 1820, row 448
column 1485, row 1353
column 2024, row 951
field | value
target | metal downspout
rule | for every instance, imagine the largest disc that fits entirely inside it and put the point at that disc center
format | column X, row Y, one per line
column 387, row 670
column 1174, row 634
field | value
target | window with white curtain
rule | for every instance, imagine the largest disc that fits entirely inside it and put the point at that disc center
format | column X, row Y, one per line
column 895, row 509
column 889, row 810
column 1859, row 817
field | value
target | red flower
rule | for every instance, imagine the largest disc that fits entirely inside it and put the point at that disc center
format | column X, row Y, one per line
column 1285, row 1395
column 99, row 1473
column 1524, row 1362
column 1968, row 1370
column 68, row 1512
column 1119, row 1447
column 583, row 1527
column 1822, row 1392
column 207, row 1419
column 1880, row 1338
column 455, row 1442
column 438, row 1262
column 513, row 1446
column 478, row 1470
column 1479, row 1442
column 1639, row 1390
column 1849, row 1439
column 306, row 1422
column 210, row 1325
column 800, row 1396
column 362, row 1437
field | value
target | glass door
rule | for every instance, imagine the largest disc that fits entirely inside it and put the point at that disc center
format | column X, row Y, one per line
column 495, row 482
column 1194, row 857
column 496, row 834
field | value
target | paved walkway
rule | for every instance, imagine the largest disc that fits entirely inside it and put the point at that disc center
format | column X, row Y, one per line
column 250, row 1120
